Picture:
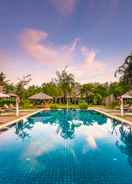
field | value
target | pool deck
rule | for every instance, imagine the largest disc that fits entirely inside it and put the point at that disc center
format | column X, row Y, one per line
column 9, row 119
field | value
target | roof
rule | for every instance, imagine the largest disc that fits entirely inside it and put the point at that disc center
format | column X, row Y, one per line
column 72, row 96
column 127, row 94
column 41, row 96
column 2, row 95
column 12, row 94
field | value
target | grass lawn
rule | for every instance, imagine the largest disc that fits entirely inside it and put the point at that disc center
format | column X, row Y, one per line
column 64, row 106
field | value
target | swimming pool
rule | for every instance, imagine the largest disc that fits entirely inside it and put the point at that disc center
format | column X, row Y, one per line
column 66, row 147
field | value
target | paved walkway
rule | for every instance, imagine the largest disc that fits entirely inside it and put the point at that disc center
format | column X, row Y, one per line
column 10, row 116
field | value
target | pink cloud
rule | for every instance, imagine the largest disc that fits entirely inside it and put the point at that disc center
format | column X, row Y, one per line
column 41, row 58
column 36, row 44
column 64, row 7
column 89, row 55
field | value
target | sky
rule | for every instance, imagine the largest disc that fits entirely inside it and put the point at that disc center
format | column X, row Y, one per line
column 90, row 37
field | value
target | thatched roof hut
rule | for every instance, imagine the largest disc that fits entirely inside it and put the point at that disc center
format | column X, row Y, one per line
column 12, row 95
column 2, row 95
column 41, row 97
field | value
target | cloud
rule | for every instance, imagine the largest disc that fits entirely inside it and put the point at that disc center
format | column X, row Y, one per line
column 73, row 46
column 42, row 58
column 91, row 69
column 89, row 55
column 81, row 61
column 64, row 7
column 35, row 44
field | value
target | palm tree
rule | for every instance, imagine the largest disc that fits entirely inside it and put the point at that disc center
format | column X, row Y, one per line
column 125, row 71
column 66, row 82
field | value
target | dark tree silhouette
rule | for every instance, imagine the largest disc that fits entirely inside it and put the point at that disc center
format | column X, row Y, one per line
column 125, row 71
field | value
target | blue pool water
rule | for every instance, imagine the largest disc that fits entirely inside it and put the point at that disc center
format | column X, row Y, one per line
column 66, row 147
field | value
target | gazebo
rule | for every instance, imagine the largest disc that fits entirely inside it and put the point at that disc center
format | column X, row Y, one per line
column 17, row 99
column 41, row 98
column 127, row 95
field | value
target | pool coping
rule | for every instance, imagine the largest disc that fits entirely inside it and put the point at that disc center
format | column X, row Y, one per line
column 122, row 120
column 13, row 122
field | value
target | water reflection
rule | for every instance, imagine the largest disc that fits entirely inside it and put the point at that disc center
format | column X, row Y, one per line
column 66, row 122
column 23, row 127
column 69, row 124
column 125, row 141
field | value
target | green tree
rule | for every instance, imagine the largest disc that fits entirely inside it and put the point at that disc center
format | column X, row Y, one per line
column 31, row 90
column 51, row 89
column 65, row 82
column 117, row 88
column 20, row 87
column 5, row 85
column 94, row 92
column 2, row 79
column 10, row 88
column 87, row 91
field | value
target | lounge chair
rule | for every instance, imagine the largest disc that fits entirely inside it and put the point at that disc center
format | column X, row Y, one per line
column 6, row 108
column 12, row 107
column 1, row 110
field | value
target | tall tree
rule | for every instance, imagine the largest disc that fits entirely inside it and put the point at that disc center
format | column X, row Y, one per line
column 51, row 89
column 2, row 79
column 125, row 71
column 65, row 82
column 20, row 87
column 3, row 82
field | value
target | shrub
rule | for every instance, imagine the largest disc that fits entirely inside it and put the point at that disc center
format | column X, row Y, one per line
column 26, row 104
column 83, row 105
column 113, row 105
column 54, row 106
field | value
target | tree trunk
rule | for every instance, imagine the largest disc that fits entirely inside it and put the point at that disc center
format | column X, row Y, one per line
column 65, row 97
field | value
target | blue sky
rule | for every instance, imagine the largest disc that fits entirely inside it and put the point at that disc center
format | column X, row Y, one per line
column 92, row 37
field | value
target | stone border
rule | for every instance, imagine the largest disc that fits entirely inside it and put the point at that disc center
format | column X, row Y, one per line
column 6, row 125
column 122, row 120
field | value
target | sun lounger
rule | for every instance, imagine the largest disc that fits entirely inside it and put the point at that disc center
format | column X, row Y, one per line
column 6, row 108
column 1, row 110
column 12, row 107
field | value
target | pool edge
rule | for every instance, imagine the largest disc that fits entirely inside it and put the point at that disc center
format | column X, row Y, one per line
column 19, row 119
column 122, row 120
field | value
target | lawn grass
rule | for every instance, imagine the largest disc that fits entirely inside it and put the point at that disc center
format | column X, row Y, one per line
column 75, row 106
column 64, row 106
